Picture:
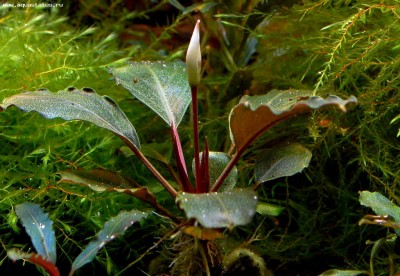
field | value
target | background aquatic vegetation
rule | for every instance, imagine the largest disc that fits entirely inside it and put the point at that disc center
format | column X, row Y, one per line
column 349, row 47
column 40, row 49
column 332, row 46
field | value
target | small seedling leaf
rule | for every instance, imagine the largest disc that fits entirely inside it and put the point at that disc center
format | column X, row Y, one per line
column 112, row 228
column 218, row 210
column 217, row 162
column 267, row 209
column 39, row 228
column 15, row 254
column 75, row 104
column 280, row 161
column 256, row 114
column 162, row 86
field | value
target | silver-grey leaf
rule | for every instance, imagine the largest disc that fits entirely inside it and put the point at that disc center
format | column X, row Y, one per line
column 162, row 86
column 75, row 104
column 280, row 161
column 222, row 209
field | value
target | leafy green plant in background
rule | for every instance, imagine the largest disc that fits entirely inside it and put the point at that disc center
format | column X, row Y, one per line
column 347, row 47
column 39, row 49
column 208, row 198
column 387, row 215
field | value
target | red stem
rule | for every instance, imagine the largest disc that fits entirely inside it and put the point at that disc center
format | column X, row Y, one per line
column 150, row 166
column 196, row 136
column 44, row 263
column 205, row 170
column 239, row 153
column 180, row 161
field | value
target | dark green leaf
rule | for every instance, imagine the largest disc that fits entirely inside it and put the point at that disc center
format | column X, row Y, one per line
column 217, row 210
column 75, row 104
column 162, row 86
column 280, row 161
column 39, row 228
column 112, row 228
column 101, row 181
column 97, row 179
column 267, row 110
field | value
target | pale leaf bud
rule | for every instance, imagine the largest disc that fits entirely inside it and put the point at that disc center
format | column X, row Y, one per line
column 193, row 57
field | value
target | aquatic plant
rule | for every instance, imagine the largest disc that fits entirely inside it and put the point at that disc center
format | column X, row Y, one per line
column 387, row 215
column 209, row 199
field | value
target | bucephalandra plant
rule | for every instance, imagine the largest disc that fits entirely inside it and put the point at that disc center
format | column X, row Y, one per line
column 208, row 196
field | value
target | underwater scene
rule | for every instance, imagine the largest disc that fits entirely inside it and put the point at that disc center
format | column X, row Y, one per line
column 187, row 137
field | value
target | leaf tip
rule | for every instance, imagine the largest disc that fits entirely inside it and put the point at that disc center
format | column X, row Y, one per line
column 343, row 103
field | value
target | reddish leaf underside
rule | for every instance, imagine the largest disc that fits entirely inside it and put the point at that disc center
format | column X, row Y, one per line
column 34, row 258
column 252, row 116
column 101, row 181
